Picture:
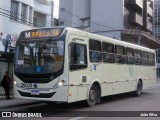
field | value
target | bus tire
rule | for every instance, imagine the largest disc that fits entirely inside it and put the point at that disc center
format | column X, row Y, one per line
column 93, row 96
column 138, row 90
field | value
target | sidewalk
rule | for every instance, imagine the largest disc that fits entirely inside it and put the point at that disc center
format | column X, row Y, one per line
column 15, row 102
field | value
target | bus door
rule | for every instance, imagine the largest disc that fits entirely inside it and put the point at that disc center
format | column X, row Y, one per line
column 77, row 68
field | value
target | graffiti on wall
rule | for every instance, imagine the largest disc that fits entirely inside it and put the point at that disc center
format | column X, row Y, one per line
column 8, row 40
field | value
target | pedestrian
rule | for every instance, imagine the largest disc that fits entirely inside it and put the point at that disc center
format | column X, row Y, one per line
column 6, row 85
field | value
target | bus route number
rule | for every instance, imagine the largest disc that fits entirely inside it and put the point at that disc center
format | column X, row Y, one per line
column 26, row 85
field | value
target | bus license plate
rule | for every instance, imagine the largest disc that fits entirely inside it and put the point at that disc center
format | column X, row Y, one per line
column 34, row 92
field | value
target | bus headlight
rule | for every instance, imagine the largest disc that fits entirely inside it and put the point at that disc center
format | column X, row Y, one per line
column 61, row 83
column 15, row 82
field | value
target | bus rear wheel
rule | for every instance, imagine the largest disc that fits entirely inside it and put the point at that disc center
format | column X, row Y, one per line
column 93, row 96
column 138, row 91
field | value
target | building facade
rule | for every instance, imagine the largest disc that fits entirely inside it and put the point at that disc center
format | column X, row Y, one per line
column 17, row 16
column 119, row 19
column 156, row 30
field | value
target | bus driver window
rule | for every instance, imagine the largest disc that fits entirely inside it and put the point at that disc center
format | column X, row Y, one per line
column 78, row 56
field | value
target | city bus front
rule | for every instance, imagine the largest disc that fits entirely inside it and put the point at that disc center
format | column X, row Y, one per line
column 39, row 65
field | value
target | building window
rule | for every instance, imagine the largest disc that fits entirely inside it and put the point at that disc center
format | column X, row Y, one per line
column 14, row 10
column 30, row 15
column 24, row 13
column 39, row 19
column 35, row 24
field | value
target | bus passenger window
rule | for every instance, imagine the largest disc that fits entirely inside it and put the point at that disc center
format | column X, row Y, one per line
column 138, row 57
column 78, row 56
column 151, row 59
column 95, row 51
column 108, row 52
column 130, row 56
column 145, row 60
column 120, row 54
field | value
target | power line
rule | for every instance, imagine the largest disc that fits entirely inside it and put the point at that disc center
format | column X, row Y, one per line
column 15, row 17
column 81, row 18
column 8, row 15
column 39, row 21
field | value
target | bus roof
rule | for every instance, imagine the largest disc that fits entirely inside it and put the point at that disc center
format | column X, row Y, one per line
column 107, row 39
column 96, row 37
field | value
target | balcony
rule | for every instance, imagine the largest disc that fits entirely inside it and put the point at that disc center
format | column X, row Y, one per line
column 146, row 39
column 137, row 3
column 40, row 19
column 149, row 10
column 135, row 18
column 45, row 1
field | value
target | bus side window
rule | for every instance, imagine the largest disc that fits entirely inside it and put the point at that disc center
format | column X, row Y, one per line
column 78, row 56
column 120, row 54
column 95, row 51
column 151, row 59
column 145, row 60
column 108, row 52
column 138, row 57
column 130, row 56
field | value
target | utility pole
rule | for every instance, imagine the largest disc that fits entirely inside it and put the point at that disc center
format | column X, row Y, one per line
column 52, row 8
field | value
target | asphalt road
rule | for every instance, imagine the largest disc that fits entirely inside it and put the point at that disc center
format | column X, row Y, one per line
column 118, row 106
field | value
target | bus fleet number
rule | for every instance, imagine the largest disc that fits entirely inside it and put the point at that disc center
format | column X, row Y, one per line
column 26, row 85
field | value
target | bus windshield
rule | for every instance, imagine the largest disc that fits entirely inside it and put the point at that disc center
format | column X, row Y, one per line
column 39, row 57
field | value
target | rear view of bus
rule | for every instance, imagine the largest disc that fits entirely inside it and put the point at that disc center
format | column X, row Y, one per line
column 39, row 65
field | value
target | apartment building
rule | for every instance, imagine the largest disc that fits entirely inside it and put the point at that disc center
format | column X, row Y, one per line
column 156, row 30
column 17, row 16
column 127, row 20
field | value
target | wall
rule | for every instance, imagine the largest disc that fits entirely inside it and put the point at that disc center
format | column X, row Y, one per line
column 63, row 15
column 107, row 13
column 11, row 33
column 42, row 7
column 12, row 29
column 81, row 8
column 28, row 2
column 74, row 8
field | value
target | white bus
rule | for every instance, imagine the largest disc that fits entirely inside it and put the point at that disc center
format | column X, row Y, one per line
column 67, row 65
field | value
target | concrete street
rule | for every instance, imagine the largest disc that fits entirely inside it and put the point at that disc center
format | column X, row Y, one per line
column 149, row 101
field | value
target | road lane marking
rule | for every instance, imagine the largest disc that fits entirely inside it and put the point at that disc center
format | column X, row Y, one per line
column 77, row 118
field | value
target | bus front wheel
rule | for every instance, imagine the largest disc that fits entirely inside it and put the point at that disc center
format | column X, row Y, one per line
column 93, row 96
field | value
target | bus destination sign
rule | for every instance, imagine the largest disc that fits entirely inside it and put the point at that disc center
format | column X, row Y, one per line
column 41, row 33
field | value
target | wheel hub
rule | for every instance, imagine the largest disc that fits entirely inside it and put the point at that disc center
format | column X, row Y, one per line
column 92, row 95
